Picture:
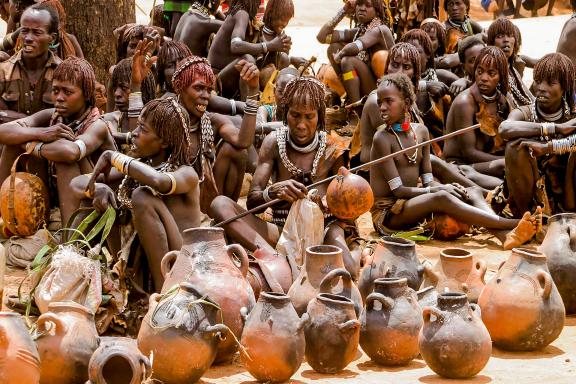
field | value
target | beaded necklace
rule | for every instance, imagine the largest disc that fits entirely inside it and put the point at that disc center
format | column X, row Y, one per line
column 282, row 137
column 199, row 9
column 411, row 158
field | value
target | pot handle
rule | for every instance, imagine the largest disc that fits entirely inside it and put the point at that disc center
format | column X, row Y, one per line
column 481, row 268
column 238, row 250
column 327, row 281
column 429, row 311
column 167, row 262
column 304, row 321
column 384, row 300
column 244, row 314
column 349, row 326
column 60, row 327
column 218, row 330
column 501, row 264
column 476, row 309
column 546, row 282
column 429, row 273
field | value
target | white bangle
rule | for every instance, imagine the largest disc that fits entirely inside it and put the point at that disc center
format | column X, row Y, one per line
column 428, row 189
column 173, row 185
column 233, row 107
column 266, row 196
column 359, row 45
column 422, row 86
column 395, row 183
column 265, row 47
column 427, row 178
column 236, row 39
column 82, row 147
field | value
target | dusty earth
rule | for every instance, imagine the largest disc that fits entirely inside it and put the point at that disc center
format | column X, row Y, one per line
column 555, row 364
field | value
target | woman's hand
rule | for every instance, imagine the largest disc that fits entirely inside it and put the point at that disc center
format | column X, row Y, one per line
column 142, row 61
column 103, row 166
column 288, row 190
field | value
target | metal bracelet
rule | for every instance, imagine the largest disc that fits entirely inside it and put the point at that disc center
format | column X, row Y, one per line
column 427, row 178
column 395, row 183
column 82, row 147
column 359, row 44
column 266, row 196
column 233, row 107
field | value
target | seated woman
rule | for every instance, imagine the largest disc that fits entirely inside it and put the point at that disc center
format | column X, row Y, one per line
column 169, row 55
column 437, row 33
column 158, row 186
column 484, row 103
column 400, row 203
column 468, row 49
column 351, row 51
column 291, row 157
column 197, row 26
column 503, row 34
column 458, row 25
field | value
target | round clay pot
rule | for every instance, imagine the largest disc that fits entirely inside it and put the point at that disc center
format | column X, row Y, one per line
column 118, row 361
column 277, row 268
column 206, row 262
column 391, row 323
column 332, row 334
column 392, row 257
column 182, row 330
column 19, row 359
column 66, row 340
column 456, row 271
column 273, row 339
column 348, row 195
column 319, row 265
column 559, row 246
column 521, row 305
column 453, row 341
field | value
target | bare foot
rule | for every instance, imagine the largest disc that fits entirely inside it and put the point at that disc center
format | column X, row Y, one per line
column 528, row 226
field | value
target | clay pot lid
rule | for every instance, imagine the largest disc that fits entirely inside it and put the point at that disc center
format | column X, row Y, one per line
column 456, row 254
column 449, row 300
column 323, row 249
column 391, row 282
column 397, row 241
column 69, row 306
column 560, row 216
column 532, row 255
column 335, row 299
column 275, row 297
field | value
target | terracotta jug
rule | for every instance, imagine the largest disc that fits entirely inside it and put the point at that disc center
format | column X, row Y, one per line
column 453, row 341
column 206, row 262
column 319, row 262
column 273, row 339
column 389, row 331
column 66, row 339
column 456, row 271
column 277, row 266
column 392, row 257
column 559, row 246
column 183, row 331
column 521, row 305
column 19, row 359
column 333, row 333
column 118, row 361
column 348, row 195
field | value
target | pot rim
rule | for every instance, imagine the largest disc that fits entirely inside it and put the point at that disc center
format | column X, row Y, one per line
column 559, row 216
column 274, row 297
column 334, row 298
column 10, row 314
column 449, row 299
column 464, row 254
column 323, row 250
column 397, row 241
column 530, row 254
column 119, row 353
column 391, row 281
column 202, row 229
column 69, row 306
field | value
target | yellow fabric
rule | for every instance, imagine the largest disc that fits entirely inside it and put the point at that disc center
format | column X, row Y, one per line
column 349, row 75
column 267, row 96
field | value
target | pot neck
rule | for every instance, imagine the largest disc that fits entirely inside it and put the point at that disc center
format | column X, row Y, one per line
column 70, row 307
column 561, row 218
column 452, row 301
column 455, row 255
column 335, row 301
column 529, row 256
column 277, row 299
column 196, row 235
column 399, row 247
column 320, row 261
column 391, row 287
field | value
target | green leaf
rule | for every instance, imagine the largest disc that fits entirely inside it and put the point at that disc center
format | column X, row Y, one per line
column 85, row 223
column 41, row 253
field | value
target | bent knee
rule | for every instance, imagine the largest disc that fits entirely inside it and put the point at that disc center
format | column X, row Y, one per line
column 221, row 208
column 142, row 198
column 249, row 58
column 230, row 151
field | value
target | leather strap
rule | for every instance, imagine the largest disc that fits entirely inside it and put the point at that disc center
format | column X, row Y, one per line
column 11, row 219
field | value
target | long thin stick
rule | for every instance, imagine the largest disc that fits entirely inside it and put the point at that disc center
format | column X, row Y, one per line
column 358, row 168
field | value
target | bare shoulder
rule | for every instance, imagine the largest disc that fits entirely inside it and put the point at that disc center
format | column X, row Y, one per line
column 421, row 132
column 464, row 99
column 269, row 147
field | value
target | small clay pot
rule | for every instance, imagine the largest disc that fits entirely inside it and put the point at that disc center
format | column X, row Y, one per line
column 348, row 195
column 521, row 305
column 118, row 361
column 453, row 341
column 392, row 257
column 66, row 340
column 333, row 333
column 19, row 359
column 182, row 329
column 273, row 339
column 559, row 246
column 456, row 271
column 278, row 268
column 319, row 265
column 389, row 331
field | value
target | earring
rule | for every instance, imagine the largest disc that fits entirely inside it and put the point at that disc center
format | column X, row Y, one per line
column 406, row 123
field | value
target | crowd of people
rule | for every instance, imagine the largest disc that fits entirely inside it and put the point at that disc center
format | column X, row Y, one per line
column 207, row 94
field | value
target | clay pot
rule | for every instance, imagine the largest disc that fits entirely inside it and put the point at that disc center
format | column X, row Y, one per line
column 453, row 341
column 118, row 361
column 448, row 228
column 319, row 262
column 273, row 339
column 328, row 76
column 66, row 340
column 348, row 195
column 19, row 359
column 277, row 266
column 559, row 246
column 521, row 305
column 456, row 271
column 182, row 330
column 333, row 333
column 392, row 257
column 206, row 262
column 389, row 332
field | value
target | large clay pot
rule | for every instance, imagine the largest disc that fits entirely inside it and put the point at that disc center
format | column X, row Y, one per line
column 453, row 341
column 348, row 196
column 273, row 339
column 392, row 257
column 118, row 361
column 559, row 246
column 521, row 306
column 389, row 335
column 277, row 266
column 182, row 330
column 456, row 271
column 67, row 338
column 19, row 359
column 319, row 262
column 333, row 333
column 206, row 262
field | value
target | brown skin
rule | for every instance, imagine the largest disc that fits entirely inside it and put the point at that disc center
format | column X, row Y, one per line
column 465, row 205
column 468, row 147
column 469, row 58
column 59, row 140
column 159, row 220
column 567, row 40
column 252, row 232
column 194, row 31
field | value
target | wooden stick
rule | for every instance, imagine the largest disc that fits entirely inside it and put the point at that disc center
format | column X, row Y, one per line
column 358, row 168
